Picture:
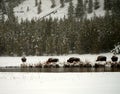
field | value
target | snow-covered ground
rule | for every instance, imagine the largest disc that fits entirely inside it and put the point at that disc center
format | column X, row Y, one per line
column 22, row 13
column 59, row 83
column 16, row 61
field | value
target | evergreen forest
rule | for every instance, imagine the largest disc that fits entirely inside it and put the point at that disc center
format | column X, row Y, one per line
column 75, row 34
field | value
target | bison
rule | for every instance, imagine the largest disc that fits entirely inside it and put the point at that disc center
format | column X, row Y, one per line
column 52, row 60
column 72, row 62
column 73, row 59
column 101, row 58
column 23, row 59
column 114, row 58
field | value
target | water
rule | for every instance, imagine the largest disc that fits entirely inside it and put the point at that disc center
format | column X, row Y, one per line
column 17, row 69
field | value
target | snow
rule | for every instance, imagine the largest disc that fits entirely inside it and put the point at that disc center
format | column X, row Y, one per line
column 22, row 13
column 16, row 61
column 32, row 13
column 116, row 49
column 98, row 12
column 59, row 83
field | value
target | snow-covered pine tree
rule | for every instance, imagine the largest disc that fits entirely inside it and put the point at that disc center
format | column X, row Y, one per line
column 39, row 7
column 3, row 18
column 85, row 7
column 53, row 3
column 28, row 8
column 80, row 9
column 116, row 9
column 86, row 1
column 36, row 2
column 116, row 49
column 11, row 16
column 62, row 3
column 96, row 4
column 67, row 0
column 90, row 6
column 2, row 10
column 71, row 10
column 108, row 4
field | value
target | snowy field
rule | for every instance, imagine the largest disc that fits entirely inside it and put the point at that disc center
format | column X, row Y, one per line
column 59, row 83
column 16, row 61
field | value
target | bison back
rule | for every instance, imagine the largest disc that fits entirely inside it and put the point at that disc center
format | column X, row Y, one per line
column 101, row 58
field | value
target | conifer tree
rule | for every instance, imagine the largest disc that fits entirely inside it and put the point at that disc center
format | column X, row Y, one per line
column 96, row 4
column 39, row 7
column 67, row 0
column 62, row 3
column 28, row 8
column 71, row 10
column 85, row 4
column 11, row 16
column 90, row 6
column 80, row 9
column 36, row 2
column 53, row 3
column 86, row 1
column 116, row 8
column 108, row 4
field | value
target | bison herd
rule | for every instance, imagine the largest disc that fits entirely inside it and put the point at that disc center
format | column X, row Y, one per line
column 101, row 61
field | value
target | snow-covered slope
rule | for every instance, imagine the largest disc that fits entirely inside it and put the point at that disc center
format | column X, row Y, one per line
column 56, row 12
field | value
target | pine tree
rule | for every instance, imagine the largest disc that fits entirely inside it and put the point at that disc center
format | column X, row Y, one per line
column 39, row 7
column 3, row 18
column 62, row 3
column 28, row 8
column 71, row 10
column 11, row 16
column 116, row 8
column 67, row 0
column 85, row 4
column 86, row 1
column 90, row 6
column 108, row 4
column 85, row 7
column 36, row 2
column 96, row 4
column 53, row 3
column 80, row 9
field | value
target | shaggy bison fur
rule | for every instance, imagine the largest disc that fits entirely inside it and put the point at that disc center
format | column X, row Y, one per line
column 23, row 59
column 101, row 58
column 114, row 58
column 73, row 59
column 52, row 60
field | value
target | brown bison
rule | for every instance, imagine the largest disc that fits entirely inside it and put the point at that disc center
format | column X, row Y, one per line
column 101, row 58
column 73, row 59
column 72, row 62
column 23, row 59
column 51, row 62
column 114, row 58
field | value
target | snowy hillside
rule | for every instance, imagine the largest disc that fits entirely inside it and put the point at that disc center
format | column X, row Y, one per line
column 28, row 10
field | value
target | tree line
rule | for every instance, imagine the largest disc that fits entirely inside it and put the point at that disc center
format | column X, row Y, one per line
column 55, row 36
